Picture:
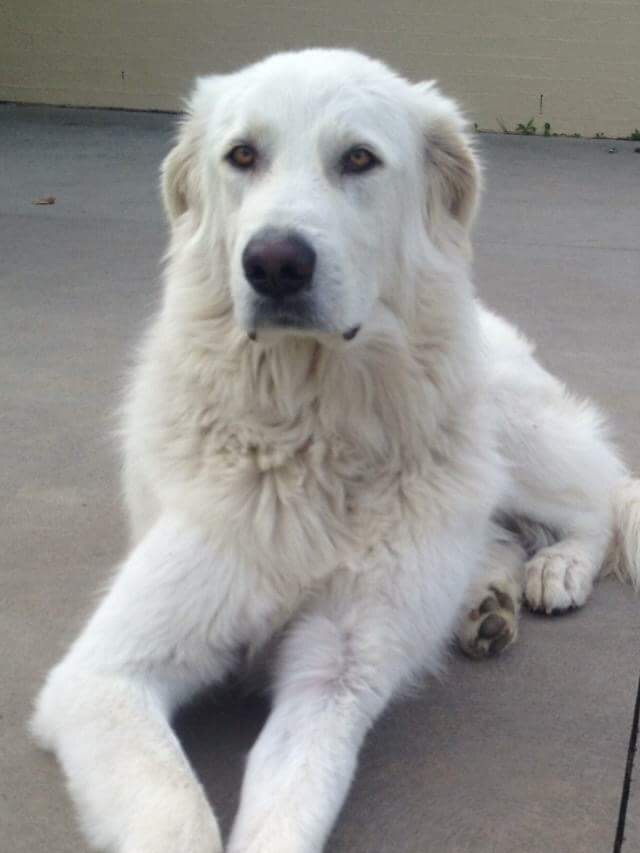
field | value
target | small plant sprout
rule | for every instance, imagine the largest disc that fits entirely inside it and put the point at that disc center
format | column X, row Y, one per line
column 527, row 129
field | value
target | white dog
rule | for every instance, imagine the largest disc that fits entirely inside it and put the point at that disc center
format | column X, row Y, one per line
column 328, row 444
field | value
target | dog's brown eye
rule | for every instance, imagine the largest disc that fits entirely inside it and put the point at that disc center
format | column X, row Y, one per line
column 242, row 156
column 358, row 160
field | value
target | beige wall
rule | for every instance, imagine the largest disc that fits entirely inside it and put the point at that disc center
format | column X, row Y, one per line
column 498, row 56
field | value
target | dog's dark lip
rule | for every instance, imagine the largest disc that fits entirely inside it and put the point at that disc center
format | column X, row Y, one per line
column 292, row 315
column 350, row 335
column 347, row 336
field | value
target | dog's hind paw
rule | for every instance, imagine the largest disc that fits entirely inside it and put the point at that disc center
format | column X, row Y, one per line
column 491, row 626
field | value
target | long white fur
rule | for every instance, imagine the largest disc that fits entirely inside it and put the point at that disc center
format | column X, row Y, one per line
column 335, row 494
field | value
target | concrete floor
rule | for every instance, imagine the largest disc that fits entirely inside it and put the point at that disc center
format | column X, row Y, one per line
column 524, row 753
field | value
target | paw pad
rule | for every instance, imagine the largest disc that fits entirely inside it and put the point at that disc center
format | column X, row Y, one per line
column 491, row 627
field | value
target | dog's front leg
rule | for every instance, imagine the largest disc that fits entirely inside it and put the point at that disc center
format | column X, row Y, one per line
column 357, row 644
column 164, row 631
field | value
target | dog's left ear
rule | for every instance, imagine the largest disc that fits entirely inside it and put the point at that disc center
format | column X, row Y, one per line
column 453, row 172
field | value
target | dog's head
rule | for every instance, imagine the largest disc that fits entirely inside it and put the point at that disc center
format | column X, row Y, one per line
column 324, row 177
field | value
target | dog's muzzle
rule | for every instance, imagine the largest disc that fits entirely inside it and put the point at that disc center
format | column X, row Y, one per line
column 280, row 266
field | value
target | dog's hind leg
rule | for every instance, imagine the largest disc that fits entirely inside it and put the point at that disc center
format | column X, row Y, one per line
column 489, row 618
column 162, row 633
column 564, row 473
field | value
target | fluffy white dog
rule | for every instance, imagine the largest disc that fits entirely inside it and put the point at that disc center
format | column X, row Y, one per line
column 330, row 445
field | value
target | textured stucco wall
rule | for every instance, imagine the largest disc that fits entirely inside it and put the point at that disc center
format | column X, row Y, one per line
column 572, row 63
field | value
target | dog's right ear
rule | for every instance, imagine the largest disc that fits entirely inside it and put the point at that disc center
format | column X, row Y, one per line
column 182, row 171
column 179, row 182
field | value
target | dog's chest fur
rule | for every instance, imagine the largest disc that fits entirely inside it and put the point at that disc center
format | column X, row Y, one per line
column 318, row 456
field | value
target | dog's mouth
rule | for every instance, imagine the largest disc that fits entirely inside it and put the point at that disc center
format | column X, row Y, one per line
column 347, row 336
column 293, row 316
column 294, row 313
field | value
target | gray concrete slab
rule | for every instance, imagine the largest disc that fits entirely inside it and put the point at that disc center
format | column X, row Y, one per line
column 524, row 753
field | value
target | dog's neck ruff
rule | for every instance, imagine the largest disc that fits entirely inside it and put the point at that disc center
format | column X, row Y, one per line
column 274, row 401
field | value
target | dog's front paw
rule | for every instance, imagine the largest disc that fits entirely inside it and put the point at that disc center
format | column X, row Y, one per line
column 558, row 578
column 490, row 626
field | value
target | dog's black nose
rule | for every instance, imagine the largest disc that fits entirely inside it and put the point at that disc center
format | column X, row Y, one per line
column 278, row 265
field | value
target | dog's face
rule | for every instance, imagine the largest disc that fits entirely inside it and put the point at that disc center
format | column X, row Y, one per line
column 319, row 172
